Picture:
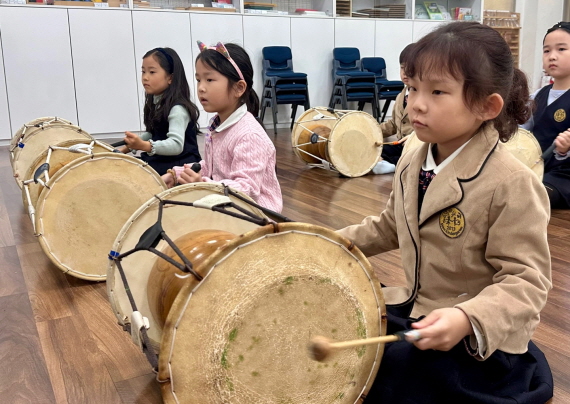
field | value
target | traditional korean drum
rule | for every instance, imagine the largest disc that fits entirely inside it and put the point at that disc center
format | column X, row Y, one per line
column 349, row 142
column 523, row 145
column 33, row 138
column 240, row 334
column 85, row 205
column 51, row 160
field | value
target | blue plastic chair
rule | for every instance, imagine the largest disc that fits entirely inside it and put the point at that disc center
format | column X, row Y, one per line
column 282, row 85
column 350, row 83
column 387, row 90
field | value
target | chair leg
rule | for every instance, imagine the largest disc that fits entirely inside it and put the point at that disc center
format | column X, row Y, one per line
column 274, row 111
column 385, row 110
column 360, row 105
column 293, row 114
column 262, row 113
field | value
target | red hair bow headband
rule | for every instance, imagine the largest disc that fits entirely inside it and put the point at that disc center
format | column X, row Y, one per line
column 220, row 48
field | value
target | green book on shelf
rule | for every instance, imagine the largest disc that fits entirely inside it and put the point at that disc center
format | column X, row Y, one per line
column 433, row 10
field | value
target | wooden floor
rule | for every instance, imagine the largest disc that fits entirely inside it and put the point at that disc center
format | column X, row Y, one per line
column 60, row 343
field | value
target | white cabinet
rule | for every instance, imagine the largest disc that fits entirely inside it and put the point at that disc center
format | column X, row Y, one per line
column 5, row 129
column 312, row 43
column 104, row 69
column 167, row 30
column 37, row 65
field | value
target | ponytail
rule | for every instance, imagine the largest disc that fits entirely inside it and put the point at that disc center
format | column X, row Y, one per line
column 516, row 110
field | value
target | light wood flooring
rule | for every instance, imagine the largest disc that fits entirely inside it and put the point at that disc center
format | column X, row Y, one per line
column 60, row 342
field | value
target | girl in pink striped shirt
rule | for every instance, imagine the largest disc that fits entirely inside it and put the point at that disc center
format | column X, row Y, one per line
column 238, row 152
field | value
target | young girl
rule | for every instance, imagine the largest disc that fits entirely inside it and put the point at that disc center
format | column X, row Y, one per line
column 398, row 125
column 470, row 221
column 550, row 122
column 238, row 152
column 171, row 119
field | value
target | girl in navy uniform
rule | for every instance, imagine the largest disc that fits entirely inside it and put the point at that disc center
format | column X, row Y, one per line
column 470, row 221
column 550, row 122
column 170, row 118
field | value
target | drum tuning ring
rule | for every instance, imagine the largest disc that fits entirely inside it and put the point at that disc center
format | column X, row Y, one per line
column 314, row 138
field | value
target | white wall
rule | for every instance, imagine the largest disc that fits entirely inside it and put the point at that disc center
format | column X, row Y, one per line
column 4, row 111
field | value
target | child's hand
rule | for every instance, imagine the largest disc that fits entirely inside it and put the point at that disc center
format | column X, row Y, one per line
column 133, row 141
column 188, row 176
column 168, row 179
column 562, row 142
column 442, row 329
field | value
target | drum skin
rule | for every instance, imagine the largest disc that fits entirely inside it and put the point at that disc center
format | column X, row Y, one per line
column 85, row 207
column 58, row 159
column 241, row 335
column 37, row 139
column 523, row 145
column 352, row 140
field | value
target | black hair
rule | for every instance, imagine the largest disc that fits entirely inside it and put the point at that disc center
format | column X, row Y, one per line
column 563, row 25
column 406, row 53
column 218, row 62
column 480, row 56
column 177, row 93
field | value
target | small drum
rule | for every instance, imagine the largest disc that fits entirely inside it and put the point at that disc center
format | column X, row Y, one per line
column 33, row 138
column 177, row 220
column 240, row 336
column 523, row 145
column 349, row 142
column 55, row 157
column 85, row 206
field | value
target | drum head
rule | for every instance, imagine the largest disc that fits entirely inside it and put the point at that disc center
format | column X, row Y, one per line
column 85, row 207
column 177, row 220
column 352, row 144
column 36, row 122
column 524, row 146
column 241, row 335
column 58, row 159
column 36, row 140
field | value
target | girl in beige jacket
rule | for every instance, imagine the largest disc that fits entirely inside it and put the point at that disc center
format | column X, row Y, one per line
column 471, row 222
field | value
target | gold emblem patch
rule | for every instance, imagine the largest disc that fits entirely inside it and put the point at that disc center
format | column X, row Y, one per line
column 559, row 115
column 452, row 222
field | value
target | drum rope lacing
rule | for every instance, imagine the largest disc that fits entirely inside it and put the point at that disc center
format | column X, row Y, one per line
column 37, row 125
column 155, row 233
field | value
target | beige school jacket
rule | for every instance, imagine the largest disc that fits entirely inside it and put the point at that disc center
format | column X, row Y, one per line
column 478, row 244
column 399, row 124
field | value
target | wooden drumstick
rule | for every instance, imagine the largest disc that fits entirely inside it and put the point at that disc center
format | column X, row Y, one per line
column 395, row 142
column 321, row 347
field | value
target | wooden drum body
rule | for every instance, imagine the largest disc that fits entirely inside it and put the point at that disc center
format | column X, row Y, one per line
column 345, row 141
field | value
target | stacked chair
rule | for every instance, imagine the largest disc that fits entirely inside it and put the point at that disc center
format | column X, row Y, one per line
column 350, row 83
column 282, row 85
column 387, row 90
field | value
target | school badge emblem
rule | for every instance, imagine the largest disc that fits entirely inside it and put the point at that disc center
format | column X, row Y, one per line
column 452, row 222
column 559, row 115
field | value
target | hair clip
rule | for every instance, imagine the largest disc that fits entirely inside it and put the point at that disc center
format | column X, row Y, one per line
column 221, row 49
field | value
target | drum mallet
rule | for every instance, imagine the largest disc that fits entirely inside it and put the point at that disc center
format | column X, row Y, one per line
column 321, row 347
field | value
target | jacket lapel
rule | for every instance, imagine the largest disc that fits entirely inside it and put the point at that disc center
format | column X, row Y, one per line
column 445, row 189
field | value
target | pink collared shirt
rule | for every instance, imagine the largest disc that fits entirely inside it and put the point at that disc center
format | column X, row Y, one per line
column 239, row 154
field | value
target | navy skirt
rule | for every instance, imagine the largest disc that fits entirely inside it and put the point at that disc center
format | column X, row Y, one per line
column 409, row 375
